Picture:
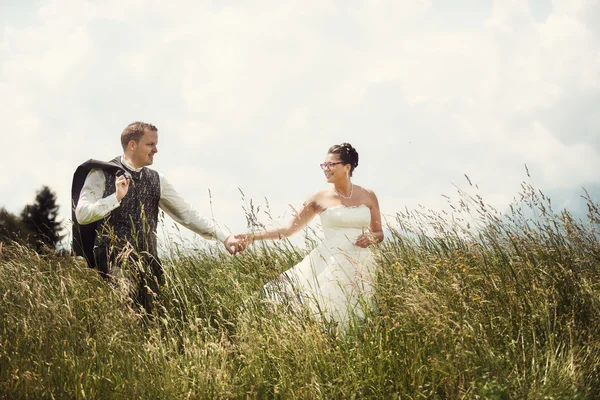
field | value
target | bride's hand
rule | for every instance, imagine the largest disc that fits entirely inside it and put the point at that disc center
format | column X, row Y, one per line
column 365, row 240
column 245, row 237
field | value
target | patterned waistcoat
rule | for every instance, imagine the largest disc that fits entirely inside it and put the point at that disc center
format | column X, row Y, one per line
column 136, row 219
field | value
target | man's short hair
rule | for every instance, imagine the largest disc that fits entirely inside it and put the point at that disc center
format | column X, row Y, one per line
column 135, row 131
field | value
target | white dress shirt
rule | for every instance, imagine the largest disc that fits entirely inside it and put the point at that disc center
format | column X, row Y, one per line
column 92, row 206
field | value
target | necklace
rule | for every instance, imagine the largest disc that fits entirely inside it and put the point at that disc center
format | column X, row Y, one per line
column 341, row 195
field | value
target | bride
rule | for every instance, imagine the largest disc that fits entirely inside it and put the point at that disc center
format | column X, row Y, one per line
column 334, row 280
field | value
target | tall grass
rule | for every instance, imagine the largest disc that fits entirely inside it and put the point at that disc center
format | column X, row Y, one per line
column 470, row 304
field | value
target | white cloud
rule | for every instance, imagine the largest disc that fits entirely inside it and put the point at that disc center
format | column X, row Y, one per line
column 252, row 94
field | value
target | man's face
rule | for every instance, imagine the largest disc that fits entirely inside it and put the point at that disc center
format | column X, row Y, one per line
column 145, row 149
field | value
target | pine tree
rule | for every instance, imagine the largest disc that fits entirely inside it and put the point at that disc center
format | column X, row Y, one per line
column 40, row 218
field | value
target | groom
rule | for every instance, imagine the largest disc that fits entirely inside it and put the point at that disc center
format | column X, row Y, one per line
column 124, row 206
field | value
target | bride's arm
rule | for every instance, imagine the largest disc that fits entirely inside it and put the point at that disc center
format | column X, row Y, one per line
column 376, row 226
column 299, row 221
column 376, row 229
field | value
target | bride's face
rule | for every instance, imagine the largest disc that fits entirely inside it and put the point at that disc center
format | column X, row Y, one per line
column 333, row 168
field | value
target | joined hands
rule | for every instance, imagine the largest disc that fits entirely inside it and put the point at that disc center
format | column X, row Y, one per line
column 234, row 245
column 247, row 238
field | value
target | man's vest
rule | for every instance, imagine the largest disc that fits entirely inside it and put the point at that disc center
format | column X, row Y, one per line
column 134, row 221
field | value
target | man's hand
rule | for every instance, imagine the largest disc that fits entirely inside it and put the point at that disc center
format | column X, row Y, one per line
column 234, row 245
column 122, row 186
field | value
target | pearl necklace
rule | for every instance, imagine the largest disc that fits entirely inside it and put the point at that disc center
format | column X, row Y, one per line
column 341, row 195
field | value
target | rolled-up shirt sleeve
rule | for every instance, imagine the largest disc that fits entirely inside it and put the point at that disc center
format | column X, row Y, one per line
column 91, row 206
column 173, row 204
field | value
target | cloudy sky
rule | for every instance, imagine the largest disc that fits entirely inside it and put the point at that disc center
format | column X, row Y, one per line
column 250, row 95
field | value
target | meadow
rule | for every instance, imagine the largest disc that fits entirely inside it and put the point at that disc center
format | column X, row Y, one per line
column 469, row 304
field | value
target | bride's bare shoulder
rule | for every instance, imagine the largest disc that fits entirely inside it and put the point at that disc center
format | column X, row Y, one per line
column 318, row 200
column 363, row 190
column 369, row 195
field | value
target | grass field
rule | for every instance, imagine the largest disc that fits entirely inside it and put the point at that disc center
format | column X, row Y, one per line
column 469, row 304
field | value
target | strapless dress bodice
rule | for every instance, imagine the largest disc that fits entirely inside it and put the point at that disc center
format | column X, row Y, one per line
column 345, row 224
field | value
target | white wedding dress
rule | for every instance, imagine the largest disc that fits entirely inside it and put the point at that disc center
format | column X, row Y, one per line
column 334, row 280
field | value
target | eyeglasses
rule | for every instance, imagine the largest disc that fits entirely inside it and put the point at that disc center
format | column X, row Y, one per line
column 329, row 165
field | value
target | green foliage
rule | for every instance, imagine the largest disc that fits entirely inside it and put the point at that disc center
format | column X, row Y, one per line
column 474, row 305
column 12, row 228
column 40, row 219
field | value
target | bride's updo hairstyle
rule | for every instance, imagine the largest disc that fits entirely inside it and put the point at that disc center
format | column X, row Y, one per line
column 346, row 153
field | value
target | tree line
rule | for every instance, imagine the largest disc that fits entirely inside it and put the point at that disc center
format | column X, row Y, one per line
column 36, row 225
